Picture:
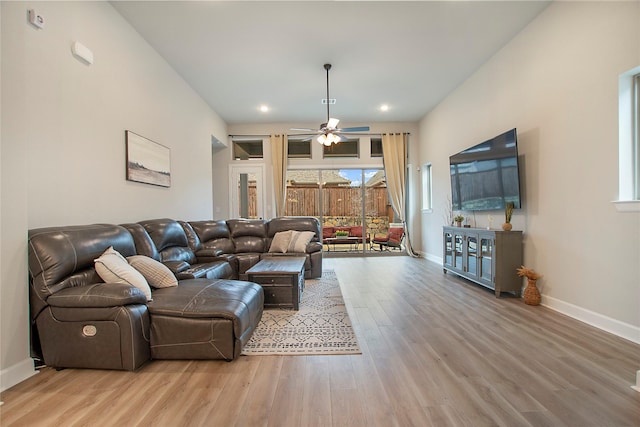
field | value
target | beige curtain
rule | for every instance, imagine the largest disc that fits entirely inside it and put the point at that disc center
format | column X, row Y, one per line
column 279, row 164
column 394, row 154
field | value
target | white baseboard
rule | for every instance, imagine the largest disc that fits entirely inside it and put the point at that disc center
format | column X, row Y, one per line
column 17, row 373
column 436, row 259
column 600, row 321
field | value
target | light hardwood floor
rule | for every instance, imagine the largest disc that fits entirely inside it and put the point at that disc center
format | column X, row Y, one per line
column 437, row 351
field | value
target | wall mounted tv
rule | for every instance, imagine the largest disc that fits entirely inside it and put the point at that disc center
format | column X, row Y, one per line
column 485, row 176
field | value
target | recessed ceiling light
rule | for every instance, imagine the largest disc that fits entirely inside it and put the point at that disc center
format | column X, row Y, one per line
column 384, row 107
column 264, row 108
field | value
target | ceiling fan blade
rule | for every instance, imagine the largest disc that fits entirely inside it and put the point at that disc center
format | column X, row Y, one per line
column 332, row 123
column 304, row 130
column 355, row 129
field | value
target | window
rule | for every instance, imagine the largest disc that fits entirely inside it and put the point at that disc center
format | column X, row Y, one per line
column 427, row 198
column 247, row 149
column 348, row 148
column 636, row 134
column 299, row 148
column 376, row 147
column 629, row 144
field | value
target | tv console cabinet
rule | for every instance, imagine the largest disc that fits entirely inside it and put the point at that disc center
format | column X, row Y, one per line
column 487, row 257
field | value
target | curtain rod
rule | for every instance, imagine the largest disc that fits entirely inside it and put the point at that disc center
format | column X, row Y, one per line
column 310, row 134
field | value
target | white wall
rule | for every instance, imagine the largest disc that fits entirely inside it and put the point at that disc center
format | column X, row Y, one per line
column 63, row 150
column 557, row 82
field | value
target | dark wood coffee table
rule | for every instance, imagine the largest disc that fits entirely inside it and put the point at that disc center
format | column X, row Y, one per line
column 282, row 279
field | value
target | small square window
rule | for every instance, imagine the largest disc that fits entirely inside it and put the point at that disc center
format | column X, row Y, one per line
column 376, row 147
column 245, row 150
column 348, row 148
column 299, row 149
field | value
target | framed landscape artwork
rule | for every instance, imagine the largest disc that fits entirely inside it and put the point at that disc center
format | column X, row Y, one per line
column 147, row 161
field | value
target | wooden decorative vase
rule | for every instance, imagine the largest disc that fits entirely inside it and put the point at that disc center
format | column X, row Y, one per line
column 531, row 293
column 507, row 226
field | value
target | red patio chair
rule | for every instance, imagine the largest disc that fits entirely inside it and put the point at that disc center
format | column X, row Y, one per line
column 393, row 239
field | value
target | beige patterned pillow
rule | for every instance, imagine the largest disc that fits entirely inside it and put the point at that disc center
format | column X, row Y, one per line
column 157, row 274
column 299, row 241
column 112, row 267
column 280, row 241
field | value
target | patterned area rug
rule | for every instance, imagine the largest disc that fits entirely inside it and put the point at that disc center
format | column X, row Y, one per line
column 321, row 326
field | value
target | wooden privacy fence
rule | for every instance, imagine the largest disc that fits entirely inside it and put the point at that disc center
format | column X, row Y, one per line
column 336, row 201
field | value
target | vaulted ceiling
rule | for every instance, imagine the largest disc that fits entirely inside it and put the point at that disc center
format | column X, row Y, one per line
column 239, row 55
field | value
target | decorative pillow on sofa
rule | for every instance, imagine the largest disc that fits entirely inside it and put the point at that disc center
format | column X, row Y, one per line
column 280, row 242
column 299, row 241
column 157, row 274
column 114, row 268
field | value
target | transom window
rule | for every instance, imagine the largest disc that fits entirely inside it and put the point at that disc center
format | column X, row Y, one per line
column 299, row 148
column 376, row 147
column 348, row 148
column 247, row 149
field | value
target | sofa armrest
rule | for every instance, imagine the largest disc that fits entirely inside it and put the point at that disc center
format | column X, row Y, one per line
column 177, row 266
column 209, row 255
column 314, row 247
column 97, row 295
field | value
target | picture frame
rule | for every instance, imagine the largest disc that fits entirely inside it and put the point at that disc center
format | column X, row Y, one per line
column 147, row 161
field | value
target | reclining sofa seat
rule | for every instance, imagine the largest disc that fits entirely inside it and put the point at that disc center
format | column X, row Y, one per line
column 78, row 322
column 166, row 240
column 212, row 239
column 250, row 242
column 81, row 322
column 313, row 252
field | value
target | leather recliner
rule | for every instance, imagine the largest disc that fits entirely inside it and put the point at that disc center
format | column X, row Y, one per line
column 79, row 321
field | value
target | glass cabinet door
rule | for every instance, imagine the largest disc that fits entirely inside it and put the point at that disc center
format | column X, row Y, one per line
column 472, row 254
column 458, row 241
column 486, row 251
column 448, row 248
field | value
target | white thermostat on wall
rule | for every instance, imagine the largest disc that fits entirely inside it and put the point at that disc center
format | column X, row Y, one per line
column 36, row 19
column 81, row 51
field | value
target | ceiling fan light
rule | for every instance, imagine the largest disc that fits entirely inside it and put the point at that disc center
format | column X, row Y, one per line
column 322, row 139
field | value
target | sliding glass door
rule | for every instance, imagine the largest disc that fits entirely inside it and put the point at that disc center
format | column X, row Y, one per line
column 352, row 201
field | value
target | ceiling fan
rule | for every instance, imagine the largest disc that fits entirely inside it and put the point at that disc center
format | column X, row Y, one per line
column 329, row 133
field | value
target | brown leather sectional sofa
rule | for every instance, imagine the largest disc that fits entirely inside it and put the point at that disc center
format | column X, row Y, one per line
column 81, row 322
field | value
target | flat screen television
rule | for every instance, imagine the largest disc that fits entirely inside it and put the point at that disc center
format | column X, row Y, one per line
column 485, row 176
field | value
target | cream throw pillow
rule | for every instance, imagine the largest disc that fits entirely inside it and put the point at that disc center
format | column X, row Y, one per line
column 280, row 241
column 157, row 274
column 299, row 241
column 114, row 268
